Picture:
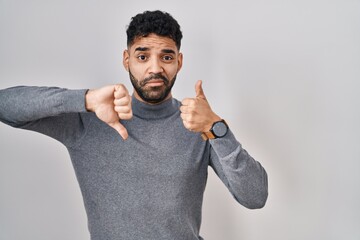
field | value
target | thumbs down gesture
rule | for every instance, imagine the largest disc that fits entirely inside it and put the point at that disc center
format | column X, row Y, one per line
column 111, row 104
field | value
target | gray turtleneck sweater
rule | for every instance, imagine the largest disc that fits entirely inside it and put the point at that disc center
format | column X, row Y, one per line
column 148, row 187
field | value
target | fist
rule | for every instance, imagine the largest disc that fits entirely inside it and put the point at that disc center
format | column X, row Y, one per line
column 122, row 102
column 111, row 104
column 196, row 112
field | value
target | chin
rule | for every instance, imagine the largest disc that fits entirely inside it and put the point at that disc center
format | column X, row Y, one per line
column 155, row 98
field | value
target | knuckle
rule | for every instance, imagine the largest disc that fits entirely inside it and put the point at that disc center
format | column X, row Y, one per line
column 125, row 116
column 192, row 110
column 183, row 109
column 191, row 118
column 120, row 86
column 117, row 108
column 120, row 92
column 116, row 102
column 125, row 101
column 192, row 105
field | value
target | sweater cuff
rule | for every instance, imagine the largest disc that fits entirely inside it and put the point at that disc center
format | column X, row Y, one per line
column 226, row 145
column 75, row 100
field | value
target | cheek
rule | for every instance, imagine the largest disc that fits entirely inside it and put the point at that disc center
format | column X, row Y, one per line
column 172, row 71
column 137, row 70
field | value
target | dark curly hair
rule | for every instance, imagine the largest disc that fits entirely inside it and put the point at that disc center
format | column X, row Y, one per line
column 157, row 22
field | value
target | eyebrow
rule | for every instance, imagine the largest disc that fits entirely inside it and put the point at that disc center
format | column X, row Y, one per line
column 144, row 49
column 168, row 51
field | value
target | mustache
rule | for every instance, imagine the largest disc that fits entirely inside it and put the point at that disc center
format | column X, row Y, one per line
column 155, row 76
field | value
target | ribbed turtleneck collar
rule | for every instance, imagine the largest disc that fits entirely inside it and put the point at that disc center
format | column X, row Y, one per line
column 157, row 111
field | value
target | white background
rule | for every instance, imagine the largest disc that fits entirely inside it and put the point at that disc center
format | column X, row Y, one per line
column 284, row 74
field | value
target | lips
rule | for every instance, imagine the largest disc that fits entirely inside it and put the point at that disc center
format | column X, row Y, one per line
column 155, row 82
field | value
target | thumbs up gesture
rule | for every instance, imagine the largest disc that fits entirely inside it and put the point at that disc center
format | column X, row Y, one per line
column 196, row 112
column 111, row 104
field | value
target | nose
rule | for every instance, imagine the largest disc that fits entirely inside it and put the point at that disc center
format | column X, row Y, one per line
column 155, row 66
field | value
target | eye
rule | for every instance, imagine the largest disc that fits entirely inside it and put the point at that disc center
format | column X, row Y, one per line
column 142, row 57
column 167, row 58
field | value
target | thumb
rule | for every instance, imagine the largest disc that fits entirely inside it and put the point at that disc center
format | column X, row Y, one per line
column 199, row 91
column 120, row 129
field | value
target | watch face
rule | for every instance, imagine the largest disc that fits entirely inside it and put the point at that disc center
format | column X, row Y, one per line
column 220, row 129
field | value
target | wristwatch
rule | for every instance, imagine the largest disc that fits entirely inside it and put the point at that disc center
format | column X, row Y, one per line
column 218, row 130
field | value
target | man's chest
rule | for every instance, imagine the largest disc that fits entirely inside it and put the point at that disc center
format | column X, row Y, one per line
column 157, row 151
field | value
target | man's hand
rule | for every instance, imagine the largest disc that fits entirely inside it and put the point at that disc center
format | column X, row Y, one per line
column 196, row 113
column 111, row 104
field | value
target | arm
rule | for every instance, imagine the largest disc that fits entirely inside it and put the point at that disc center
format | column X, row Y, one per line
column 19, row 105
column 56, row 112
column 245, row 178
column 48, row 110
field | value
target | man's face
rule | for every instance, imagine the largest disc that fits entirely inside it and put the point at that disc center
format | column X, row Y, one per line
column 152, row 63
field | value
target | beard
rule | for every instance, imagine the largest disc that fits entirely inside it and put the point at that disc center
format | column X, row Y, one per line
column 155, row 94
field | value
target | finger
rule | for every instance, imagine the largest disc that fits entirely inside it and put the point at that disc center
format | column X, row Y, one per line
column 199, row 90
column 185, row 109
column 120, row 129
column 120, row 91
column 122, row 109
column 120, row 87
column 190, row 126
column 125, row 116
column 188, row 118
column 124, row 101
column 184, row 116
column 186, row 124
column 120, row 94
column 187, row 102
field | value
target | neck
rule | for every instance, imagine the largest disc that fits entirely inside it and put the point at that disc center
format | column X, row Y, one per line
column 148, row 111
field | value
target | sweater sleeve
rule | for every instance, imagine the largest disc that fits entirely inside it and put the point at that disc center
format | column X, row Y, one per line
column 244, row 177
column 52, row 111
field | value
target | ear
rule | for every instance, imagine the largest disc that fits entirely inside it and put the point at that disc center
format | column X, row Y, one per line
column 180, row 61
column 126, row 57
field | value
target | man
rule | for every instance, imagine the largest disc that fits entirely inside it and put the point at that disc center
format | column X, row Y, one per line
column 148, row 183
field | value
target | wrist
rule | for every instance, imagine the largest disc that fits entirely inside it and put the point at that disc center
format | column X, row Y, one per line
column 218, row 130
column 214, row 119
column 90, row 101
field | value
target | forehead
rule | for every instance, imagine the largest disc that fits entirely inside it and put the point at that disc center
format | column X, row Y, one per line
column 153, row 42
